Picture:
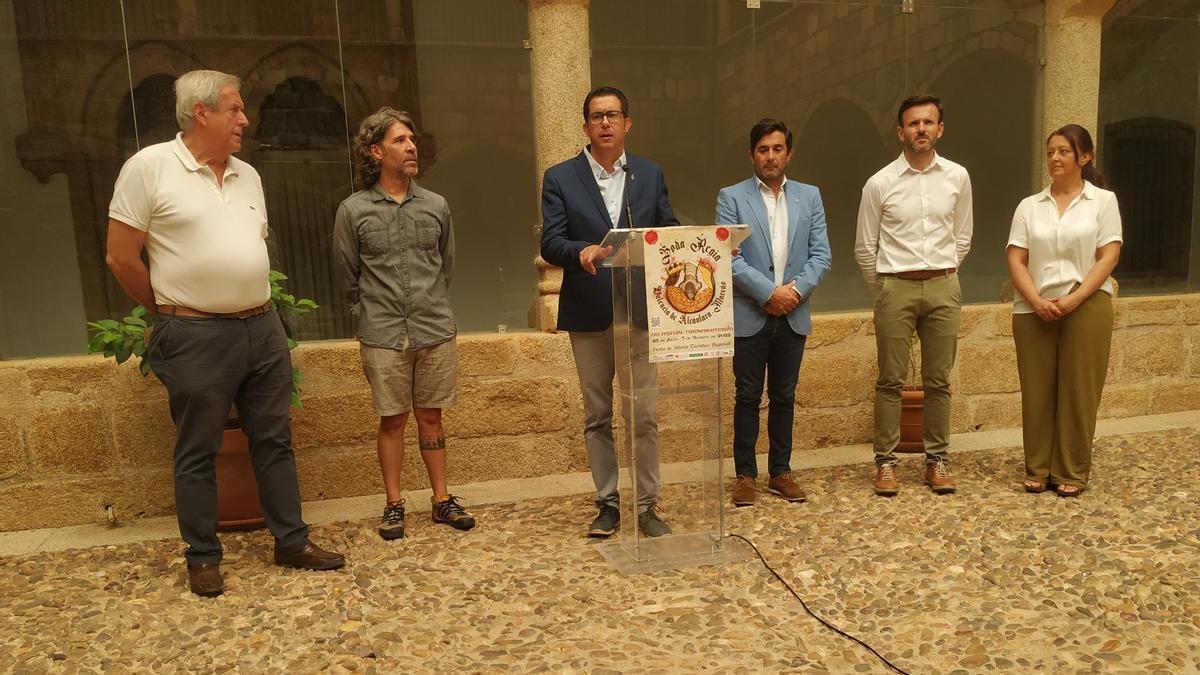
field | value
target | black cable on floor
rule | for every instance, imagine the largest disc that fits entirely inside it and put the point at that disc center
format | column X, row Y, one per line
column 825, row 623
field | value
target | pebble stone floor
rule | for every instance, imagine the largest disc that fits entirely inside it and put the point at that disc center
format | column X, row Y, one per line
column 991, row 579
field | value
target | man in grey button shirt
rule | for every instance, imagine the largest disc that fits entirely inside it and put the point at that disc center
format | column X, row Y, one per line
column 395, row 241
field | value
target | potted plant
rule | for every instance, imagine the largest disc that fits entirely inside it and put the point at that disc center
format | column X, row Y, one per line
column 238, row 505
column 912, row 404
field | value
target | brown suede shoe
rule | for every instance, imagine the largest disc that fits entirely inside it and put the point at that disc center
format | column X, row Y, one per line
column 785, row 486
column 311, row 557
column 937, row 477
column 885, row 481
column 743, row 491
column 205, row 580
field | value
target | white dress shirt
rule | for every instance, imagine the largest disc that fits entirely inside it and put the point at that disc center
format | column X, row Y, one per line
column 777, row 222
column 612, row 185
column 1062, row 249
column 914, row 220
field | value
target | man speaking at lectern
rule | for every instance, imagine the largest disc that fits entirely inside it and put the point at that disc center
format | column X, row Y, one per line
column 582, row 199
column 774, row 274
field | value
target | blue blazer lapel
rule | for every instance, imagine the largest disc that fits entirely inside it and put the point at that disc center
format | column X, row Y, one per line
column 584, row 170
column 762, row 225
column 794, row 214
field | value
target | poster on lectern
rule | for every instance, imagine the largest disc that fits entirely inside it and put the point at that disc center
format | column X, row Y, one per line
column 689, row 293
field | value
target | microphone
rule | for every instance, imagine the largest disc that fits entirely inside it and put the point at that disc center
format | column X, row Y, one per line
column 628, row 208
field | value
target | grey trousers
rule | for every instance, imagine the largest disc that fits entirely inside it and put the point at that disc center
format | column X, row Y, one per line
column 207, row 365
column 596, row 366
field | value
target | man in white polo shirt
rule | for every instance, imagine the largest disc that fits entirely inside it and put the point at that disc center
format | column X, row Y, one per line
column 200, row 214
column 914, row 229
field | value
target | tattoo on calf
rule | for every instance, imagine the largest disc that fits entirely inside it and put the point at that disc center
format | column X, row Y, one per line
column 432, row 442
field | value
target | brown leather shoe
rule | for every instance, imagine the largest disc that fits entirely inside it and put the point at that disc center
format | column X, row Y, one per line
column 885, row 481
column 311, row 557
column 785, row 486
column 937, row 477
column 743, row 491
column 205, row 580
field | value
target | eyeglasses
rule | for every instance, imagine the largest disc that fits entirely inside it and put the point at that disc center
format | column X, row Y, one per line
column 613, row 116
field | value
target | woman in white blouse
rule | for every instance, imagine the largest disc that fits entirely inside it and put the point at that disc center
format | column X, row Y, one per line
column 1064, row 244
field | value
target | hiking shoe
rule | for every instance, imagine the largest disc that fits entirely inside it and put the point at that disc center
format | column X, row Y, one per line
column 651, row 525
column 451, row 513
column 391, row 525
column 785, row 486
column 205, row 580
column 885, row 481
column 607, row 522
column 937, row 477
column 744, row 490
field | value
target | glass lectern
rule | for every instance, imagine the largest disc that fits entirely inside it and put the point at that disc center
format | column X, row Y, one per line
column 666, row 413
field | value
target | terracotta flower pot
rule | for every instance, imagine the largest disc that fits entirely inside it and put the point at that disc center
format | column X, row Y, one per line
column 238, row 507
column 912, row 415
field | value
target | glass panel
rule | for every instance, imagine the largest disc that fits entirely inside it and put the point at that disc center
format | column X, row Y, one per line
column 679, row 62
column 1147, row 141
column 286, row 53
column 64, row 88
column 836, row 87
column 460, row 69
column 983, row 64
column 834, row 72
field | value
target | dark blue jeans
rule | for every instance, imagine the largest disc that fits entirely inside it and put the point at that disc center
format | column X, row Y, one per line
column 775, row 351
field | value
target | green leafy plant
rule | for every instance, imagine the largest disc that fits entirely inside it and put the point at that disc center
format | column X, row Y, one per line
column 290, row 309
column 127, row 338
column 122, row 339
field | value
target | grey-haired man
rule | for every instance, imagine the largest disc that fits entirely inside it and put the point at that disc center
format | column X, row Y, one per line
column 201, row 216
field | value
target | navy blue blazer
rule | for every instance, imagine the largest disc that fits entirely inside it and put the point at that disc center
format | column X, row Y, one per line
column 808, row 257
column 574, row 217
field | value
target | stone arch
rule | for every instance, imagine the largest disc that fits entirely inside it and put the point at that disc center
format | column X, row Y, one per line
column 101, row 107
column 990, row 101
column 303, row 61
column 837, row 149
column 300, row 115
column 153, row 101
column 992, row 43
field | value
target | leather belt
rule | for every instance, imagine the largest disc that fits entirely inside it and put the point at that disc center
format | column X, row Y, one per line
column 179, row 310
column 920, row 275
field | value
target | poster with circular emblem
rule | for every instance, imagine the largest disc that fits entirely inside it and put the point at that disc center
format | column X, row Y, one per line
column 689, row 282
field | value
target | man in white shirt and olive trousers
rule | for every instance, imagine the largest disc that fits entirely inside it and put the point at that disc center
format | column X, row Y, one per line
column 914, row 229
column 200, row 214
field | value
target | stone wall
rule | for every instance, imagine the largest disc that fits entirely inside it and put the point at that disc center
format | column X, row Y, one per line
column 80, row 433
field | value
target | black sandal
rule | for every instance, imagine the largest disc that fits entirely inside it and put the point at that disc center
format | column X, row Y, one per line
column 1068, row 490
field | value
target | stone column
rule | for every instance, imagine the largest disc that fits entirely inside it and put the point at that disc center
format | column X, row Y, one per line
column 1071, row 90
column 561, row 78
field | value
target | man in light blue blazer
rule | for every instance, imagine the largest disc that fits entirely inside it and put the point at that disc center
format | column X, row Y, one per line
column 774, row 275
